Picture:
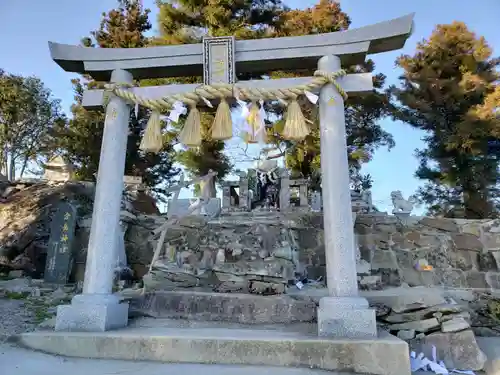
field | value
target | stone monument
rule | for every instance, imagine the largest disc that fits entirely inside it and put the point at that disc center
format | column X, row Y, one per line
column 316, row 202
column 59, row 253
column 343, row 313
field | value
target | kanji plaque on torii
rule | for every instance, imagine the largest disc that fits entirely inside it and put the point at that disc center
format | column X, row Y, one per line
column 343, row 313
column 218, row 60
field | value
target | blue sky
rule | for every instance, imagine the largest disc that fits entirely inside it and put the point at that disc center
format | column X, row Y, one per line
column 27, row 26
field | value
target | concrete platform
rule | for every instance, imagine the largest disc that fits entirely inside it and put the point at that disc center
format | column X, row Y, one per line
column 207, row 344
column 18, row 361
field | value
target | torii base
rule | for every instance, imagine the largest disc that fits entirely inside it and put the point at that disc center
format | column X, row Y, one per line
column 346, row 317
column 92, row 313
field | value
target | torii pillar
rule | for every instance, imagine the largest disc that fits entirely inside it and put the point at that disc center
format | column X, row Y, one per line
column 97, row 309
column 343, row 313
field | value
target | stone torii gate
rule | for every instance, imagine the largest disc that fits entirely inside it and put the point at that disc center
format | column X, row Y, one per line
column 343, row 313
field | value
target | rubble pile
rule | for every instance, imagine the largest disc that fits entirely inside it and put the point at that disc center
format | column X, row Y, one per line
column 236, row 253
column 445, row 326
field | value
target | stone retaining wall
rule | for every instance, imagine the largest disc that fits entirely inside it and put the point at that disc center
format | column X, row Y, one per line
column 462, row 253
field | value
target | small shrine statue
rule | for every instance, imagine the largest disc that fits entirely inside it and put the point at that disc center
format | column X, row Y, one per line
column 267, row 183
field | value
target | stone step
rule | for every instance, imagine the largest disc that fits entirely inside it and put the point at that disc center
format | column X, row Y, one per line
column 293, row 307
column 227, row 307
column 310, row 329
column 21, row 361
column 216, row 344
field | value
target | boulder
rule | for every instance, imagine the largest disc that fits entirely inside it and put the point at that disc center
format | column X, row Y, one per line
column 457, row 349
column 491, row 347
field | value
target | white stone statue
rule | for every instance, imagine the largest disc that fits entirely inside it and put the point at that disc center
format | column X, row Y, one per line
column 205, row 205
column 401, row 205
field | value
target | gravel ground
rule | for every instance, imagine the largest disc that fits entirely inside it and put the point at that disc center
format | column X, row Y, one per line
column 23, row 306
column 15, row 318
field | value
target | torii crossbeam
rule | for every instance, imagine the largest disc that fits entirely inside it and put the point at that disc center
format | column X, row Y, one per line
column 343, row 313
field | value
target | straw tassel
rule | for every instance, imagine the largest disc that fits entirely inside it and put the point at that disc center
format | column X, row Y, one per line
column 254, row 121
column 295, row 128
column 152, row 140
column 190, row 134
column 222, row 127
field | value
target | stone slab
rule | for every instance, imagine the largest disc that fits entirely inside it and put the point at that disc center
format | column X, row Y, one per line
column 455, row 325
column 398, row 299
column 229, row 346
column 181, row 208
column 229, row 307
column 401, row 300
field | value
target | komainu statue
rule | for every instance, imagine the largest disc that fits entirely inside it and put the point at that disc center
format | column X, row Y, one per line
column 401, row 205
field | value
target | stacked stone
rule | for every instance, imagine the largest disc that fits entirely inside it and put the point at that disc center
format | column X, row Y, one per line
column 445, row 326
column 412, row 324
column 240, row 253
column 459, row 253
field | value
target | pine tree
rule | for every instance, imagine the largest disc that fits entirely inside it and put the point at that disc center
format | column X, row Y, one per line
column 187, row 21
column 123, row 27
column 364, row 134
column 449, row 89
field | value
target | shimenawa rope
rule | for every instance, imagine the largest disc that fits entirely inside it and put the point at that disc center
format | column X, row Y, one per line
column 295, row 123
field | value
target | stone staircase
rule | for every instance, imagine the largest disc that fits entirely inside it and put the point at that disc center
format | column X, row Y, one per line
column 230, row 329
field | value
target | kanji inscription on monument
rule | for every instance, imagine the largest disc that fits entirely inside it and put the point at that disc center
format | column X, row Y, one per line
column 218, row 60
column 59, row 252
